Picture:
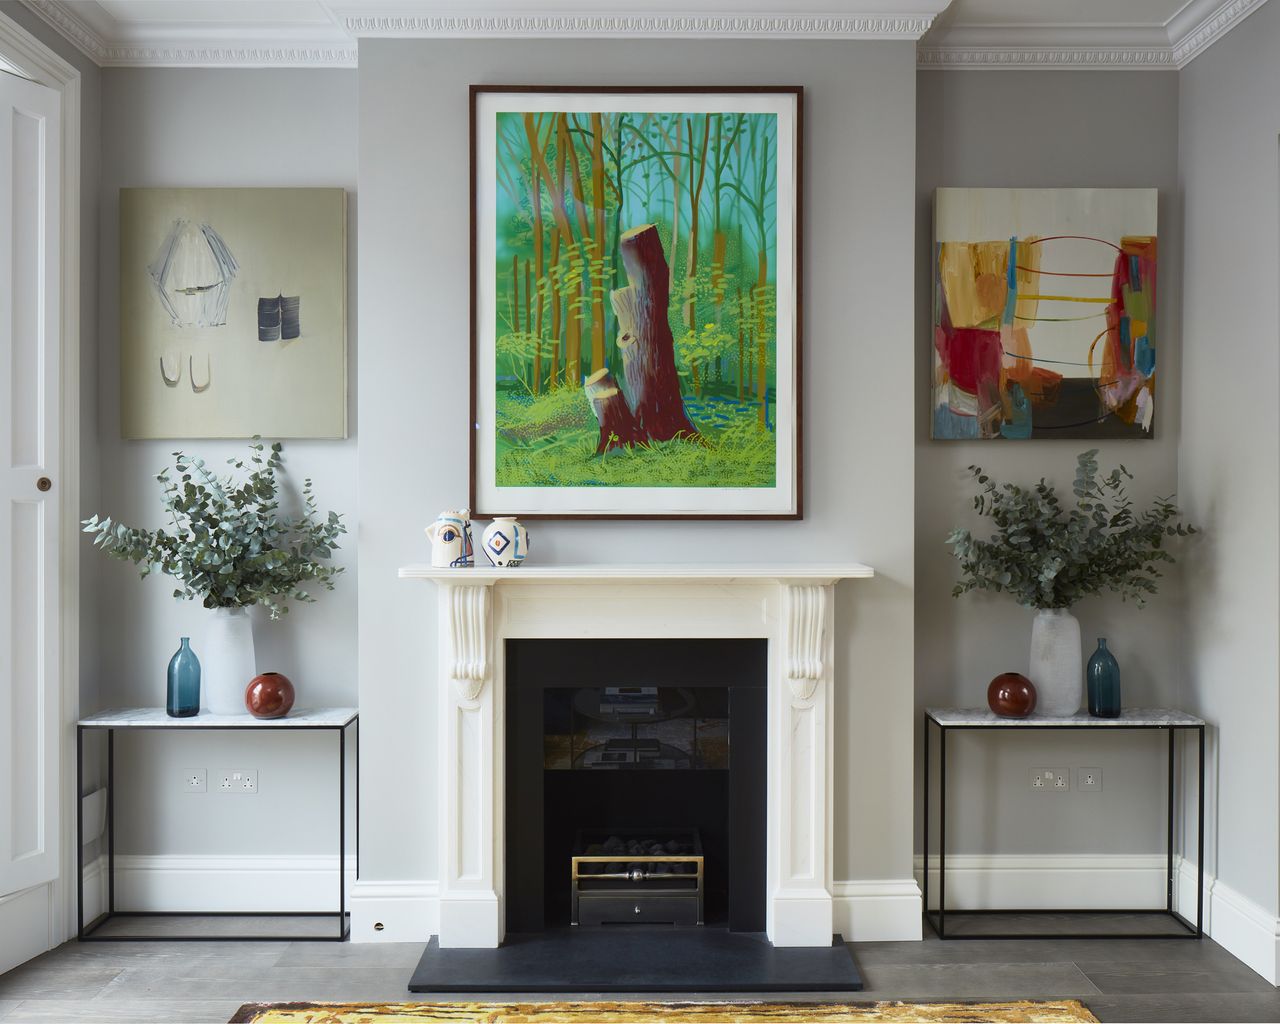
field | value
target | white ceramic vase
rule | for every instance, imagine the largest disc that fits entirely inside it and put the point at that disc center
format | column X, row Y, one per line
column 450, row 537
column 1057, row 667
column 505, row 542
column 227, row 660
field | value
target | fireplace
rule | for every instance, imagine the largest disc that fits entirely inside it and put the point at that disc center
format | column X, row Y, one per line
column 490, row 624
column 623, row 751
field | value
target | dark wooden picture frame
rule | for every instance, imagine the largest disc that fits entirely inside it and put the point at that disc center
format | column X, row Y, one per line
column 627, row 415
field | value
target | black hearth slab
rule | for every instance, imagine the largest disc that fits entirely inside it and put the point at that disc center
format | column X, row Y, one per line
column 638, row 960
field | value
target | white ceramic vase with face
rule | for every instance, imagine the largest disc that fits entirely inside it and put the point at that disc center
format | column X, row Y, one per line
column 1057, row 665
column 227, row 660
column 450, row 537
column 505, row 542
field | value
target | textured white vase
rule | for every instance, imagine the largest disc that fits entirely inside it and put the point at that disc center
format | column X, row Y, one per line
column 1057, row 666
column 227, row 661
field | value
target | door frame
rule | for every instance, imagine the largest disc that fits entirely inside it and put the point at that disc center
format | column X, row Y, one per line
column 44, row 66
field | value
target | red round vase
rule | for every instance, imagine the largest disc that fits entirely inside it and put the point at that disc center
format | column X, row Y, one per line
column 269, row 695
column 1011, row 695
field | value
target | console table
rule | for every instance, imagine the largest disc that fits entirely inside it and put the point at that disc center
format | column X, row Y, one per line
column 336, row 720
column 946, row 720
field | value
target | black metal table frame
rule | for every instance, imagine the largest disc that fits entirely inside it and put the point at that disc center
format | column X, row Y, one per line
column 937, row 920
column 87, row 933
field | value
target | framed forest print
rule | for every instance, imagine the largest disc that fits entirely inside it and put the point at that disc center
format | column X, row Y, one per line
column 635, row 302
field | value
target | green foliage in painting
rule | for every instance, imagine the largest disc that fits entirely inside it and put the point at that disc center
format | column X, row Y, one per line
column 1047, row 553
column 572, row 190
column 228, row 544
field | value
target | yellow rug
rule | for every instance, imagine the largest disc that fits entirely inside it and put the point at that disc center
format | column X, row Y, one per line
column 1065, row 1011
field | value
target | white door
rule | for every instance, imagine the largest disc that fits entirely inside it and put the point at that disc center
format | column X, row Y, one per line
column 30, row 335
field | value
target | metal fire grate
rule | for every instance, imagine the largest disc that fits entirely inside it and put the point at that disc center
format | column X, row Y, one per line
column 634, row 876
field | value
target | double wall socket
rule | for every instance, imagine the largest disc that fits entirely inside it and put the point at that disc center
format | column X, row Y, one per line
column 238, row 780
column 1059, row 779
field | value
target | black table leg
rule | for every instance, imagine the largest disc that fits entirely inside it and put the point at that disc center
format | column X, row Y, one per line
column 925, row 829
column 79, row 832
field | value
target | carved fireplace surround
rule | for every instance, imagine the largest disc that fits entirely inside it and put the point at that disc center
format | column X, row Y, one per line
column 790, row 606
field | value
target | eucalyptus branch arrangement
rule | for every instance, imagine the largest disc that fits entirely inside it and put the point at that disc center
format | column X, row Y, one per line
column 228, row 544
column 1049, row 554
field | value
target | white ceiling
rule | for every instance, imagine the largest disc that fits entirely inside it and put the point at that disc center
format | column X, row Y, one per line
column 956, row 33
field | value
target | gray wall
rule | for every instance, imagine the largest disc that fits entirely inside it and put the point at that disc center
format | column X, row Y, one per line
column 1050, row 129
column 1229, row 136
column 189, row 128
column 858, row 374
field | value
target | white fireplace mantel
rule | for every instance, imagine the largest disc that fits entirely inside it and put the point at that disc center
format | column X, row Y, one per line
column 791, row 606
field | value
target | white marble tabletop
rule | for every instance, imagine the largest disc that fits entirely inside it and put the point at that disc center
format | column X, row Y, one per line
column 1129, row 718
column 158, row 718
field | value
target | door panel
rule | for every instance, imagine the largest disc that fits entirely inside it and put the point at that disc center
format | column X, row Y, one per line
column 30, row 338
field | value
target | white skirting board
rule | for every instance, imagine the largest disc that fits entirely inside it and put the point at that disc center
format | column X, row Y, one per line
column 1242, row 927
column 26, row 923
column 251, row 884
column 864, row 911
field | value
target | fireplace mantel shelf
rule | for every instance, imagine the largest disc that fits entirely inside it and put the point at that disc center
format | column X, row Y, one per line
column 684, row 572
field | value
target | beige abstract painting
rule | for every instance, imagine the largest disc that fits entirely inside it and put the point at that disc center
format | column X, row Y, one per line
column 233, row 313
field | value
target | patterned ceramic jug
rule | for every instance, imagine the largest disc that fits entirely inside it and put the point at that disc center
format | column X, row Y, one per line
column 450, row 537
column 505, row 542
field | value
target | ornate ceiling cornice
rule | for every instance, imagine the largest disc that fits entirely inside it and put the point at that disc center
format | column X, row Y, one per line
column 663, row 26
column 1046, row 58
column 1189, row 34
column 1195, row 28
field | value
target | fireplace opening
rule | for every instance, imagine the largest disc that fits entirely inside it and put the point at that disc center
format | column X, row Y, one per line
column 635, row 783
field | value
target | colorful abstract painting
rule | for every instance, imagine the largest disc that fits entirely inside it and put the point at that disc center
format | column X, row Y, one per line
column 636, row 284
column 1044, row 307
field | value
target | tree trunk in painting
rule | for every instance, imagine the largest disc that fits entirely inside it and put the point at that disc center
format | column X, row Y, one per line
column 695, row 202
column 762, row 284
column 618, row 424
column 539, row 271
column 554, row 376
column 741, row 363
column 644, row 338
column 675, row 210
column 599, row 285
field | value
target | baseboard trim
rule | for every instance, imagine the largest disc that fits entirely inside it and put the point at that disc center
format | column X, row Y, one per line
column 26, row 925
column 1244, row 929
column 407, row 911
column 1034, row 882
column 286, row 883
column 877, row 911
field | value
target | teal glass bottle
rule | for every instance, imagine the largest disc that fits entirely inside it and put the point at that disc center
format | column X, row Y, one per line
column 1103, row 675
column 184, row 682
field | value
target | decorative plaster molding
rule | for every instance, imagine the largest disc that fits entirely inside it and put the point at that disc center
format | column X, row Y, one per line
column 806, row 614
column 1145, row 58
column 723, row 26
column 77, row 31
column 258, row 47
column 1189, row 38
column 469, row 640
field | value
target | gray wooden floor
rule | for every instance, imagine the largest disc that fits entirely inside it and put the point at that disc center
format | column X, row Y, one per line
column 140, row 982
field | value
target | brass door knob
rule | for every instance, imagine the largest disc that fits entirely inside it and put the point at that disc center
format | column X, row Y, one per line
column 44, row 484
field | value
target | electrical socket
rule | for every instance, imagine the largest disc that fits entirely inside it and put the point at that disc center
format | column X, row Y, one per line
column 238, row 780
column 1051, row 778
column 193, row 780
column 1089, row 779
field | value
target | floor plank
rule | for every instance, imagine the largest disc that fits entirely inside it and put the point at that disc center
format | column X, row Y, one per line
column 1173, row 978
column 7, row 1006
column 1209, row 1009
column 978, row 981
column 136, row 1011
column 55, row 982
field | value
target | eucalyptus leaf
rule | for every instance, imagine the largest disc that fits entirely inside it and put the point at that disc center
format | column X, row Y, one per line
column 226, row 544
column 1049, row 554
